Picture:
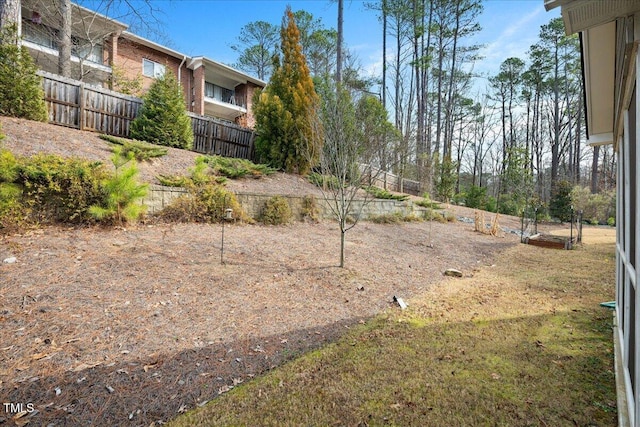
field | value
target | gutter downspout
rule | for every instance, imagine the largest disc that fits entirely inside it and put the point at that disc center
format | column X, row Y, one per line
column 184, row 59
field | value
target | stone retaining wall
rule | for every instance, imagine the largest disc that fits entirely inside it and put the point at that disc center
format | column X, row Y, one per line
column 160, row 196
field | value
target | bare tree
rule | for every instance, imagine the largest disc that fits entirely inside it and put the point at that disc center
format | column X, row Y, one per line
column 342, row 175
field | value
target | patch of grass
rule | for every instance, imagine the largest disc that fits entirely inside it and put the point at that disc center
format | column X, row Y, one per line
column 142, row 151
column 514, row 345
column 237, row 168
column 380, row 193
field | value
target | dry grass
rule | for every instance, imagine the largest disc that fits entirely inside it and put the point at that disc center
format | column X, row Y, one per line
column 521, row 343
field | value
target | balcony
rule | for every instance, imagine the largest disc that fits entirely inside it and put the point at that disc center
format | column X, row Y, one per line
column 86, row 58
column 223, row 103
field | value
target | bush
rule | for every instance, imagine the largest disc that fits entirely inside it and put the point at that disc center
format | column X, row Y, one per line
column 327, row 182
column 508, row 205
column 21, row 93
column 48, row 189
column 237, row 168
column 476, row 197
column 205, row 203
column 595, row 207
column 122, row 193
column 142, row 151
column 426, row 202
column 310, row 210
column 276, row 211
column 57, row 189
column 611, row 222
column 163, row 118
column 459, row 199
column 380, row 193
column 13, row 214
column 393, row 218
column 560, row 202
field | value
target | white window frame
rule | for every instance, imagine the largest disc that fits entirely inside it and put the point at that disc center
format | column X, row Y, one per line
column 158, row 69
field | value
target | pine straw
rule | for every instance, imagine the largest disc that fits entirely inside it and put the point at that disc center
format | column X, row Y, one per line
column 135, row 326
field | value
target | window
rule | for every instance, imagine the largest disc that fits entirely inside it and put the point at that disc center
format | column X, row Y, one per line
column 87, row 51
column 39, row 34
column 152, row 69
column 218, row 93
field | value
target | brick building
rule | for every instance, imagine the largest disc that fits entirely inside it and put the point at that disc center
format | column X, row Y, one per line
column 104, row 53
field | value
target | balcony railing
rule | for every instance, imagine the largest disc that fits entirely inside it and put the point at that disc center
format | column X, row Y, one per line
column 224, row 95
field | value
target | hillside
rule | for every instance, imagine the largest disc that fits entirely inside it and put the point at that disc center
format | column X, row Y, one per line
column 24, row 137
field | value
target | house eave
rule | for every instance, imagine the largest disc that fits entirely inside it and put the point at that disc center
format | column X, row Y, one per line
column 153, row 45
column 230, row 73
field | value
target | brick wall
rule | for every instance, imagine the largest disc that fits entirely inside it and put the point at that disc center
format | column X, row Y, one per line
column 128, row 55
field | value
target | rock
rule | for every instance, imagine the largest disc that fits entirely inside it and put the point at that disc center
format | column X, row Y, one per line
column 452, row 272
column 10, row 260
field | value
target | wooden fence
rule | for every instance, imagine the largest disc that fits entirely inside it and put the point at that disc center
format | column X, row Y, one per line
column 82, row 106
column 211, row 136
column 75, row 104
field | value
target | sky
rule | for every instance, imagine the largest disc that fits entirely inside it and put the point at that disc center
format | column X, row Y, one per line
column 209, row 27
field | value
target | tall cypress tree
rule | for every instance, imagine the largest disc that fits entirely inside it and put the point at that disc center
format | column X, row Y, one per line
column 286, row 111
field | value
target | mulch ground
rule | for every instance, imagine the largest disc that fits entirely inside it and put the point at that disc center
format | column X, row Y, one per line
column 133, row 326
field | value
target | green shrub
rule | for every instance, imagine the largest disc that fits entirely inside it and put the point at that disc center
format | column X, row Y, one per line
column 327, row 182
column 611, row 222
column 204, row 203
column 142, row 151
column 310, row 210
column 163, row 118
column 476, row 197
column 199, row 174
column 380, row 193
column 560, row 202
column 426, row 202
column 238, row 168
column 491, row 204
column 508, row 205
column 21, row 93
column 276, row 211
column 13, row 214
column 57, row 189
column 122, row 192
column 595, row 207
column 8, row 166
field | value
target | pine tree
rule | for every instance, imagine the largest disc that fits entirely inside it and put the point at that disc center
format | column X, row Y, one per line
column 163, row 117
column 21, row 93
column 122, row 192
column 286, row 110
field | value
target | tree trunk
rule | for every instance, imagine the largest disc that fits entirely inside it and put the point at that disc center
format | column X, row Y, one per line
column 384, row 55
column 64, row 38
column 340, row 41
column 10, row 13
column 342, row 233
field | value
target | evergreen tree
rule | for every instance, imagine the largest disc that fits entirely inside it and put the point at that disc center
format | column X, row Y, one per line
column 163, row 117
column 560, row 203
column 122, row 192
column 286, row 110
column 21, row 93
